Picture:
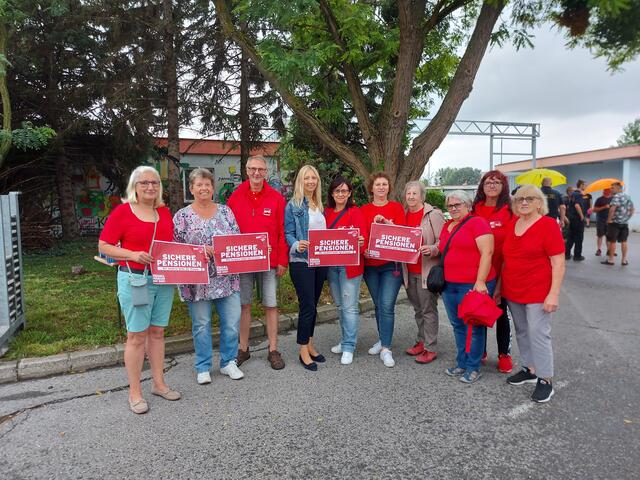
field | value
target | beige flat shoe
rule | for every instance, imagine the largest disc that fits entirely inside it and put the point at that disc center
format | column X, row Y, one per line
column 139, row 407
column 168, row 394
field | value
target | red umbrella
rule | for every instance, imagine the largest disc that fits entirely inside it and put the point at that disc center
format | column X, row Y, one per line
column 477, row 310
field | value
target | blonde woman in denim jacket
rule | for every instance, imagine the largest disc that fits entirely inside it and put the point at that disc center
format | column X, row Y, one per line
column 303, row 213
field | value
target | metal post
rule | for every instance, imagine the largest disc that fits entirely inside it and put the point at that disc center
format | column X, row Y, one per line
column 491, row 147
column 533, row 146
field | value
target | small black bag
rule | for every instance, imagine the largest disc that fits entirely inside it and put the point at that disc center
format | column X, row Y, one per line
column 435, row 279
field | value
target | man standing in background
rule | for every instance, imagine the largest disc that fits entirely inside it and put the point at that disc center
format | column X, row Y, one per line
column 557, row 208
column 621, row 209
column 576, row 212
column 601, row 209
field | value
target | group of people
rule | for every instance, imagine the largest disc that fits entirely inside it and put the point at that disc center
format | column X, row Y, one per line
column 497, row 245
column 613, row 211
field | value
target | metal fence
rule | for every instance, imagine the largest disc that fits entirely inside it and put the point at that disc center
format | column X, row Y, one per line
column 11, row 294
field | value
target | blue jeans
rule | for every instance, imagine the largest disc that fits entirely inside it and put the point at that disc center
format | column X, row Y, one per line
column 346, row 292
column 452, row 296
column 384, row 283
column 228, row 309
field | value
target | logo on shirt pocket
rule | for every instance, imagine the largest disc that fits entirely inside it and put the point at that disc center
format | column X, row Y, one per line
column 266, row 212
column 495, row 224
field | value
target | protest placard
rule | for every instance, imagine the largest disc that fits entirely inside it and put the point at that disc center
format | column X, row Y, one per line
column 334, row 247
column 241, row 253
column 179, row 263
column 394, row 243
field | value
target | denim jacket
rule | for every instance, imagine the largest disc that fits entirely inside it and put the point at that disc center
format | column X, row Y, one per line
column 296, row 227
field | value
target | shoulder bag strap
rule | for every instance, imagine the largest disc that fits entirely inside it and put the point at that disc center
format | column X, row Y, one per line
column 446, row 247
column 340, row 215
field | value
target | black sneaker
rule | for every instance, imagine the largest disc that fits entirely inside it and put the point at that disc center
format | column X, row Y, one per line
column 567, row 257
column 578, row 259
column 543, row 392
column 522, row 377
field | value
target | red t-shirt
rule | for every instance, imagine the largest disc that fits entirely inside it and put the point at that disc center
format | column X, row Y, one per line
column 498, row 222
column 132, row 233
column 463, row 257
column 351, row 219
column 526, row 273
column 414, row 219
column 390, row 211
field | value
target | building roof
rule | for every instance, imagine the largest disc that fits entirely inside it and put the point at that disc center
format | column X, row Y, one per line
column 197, row 146
column 592, row 156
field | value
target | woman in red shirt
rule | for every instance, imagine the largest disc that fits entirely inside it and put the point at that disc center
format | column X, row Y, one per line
column 383, row 278
column 532, row 274
column 127, row 237
column 467, row 266
column 425, row 303
column 344, row 282
column 493, row 203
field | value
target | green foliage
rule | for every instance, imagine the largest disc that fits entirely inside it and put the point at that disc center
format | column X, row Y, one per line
column 631, row 134
column 29, row 137
column 458, row 176
column 436, row 198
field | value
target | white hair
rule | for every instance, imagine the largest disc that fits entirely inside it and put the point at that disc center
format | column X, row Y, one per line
column 461, row 195
column 131, row 196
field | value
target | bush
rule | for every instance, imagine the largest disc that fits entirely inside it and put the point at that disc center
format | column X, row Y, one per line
column 436, row 198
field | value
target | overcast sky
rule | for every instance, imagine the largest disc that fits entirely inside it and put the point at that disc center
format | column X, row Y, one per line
column 578, row 103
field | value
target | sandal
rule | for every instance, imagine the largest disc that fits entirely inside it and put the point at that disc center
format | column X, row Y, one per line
column 168, row 394
column 626, row 262
column 607, row 262
column 139, row 407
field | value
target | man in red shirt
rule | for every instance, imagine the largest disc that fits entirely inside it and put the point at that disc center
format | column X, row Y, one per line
column 259, row 208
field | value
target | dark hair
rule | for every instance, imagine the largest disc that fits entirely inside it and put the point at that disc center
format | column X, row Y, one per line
column 503, row 198
column 374, row 177
column 617, row 184
column 580, row 182
column 335, row 183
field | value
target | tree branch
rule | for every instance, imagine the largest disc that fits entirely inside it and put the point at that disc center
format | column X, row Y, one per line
column 461, row 85
column 325, row 136
column 368, row 129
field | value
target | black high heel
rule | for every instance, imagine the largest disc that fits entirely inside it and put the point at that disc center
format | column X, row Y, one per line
column 312, row 367
column 318, row 358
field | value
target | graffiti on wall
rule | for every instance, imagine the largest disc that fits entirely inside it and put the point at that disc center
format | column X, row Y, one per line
column 95, row 198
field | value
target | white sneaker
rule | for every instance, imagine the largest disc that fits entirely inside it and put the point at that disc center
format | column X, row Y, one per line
column 376, row 349
column 203, row 377
column 347, row 358
column 387, row 358
column 336, row 348
column 232, row 371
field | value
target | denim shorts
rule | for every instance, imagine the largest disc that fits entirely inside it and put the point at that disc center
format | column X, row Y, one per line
column 156, row 313
column 267, row 282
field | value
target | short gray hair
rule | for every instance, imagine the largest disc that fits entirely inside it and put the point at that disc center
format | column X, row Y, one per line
column 461, row 195
column 131, row 196
column 418, row 185
column 201, row 173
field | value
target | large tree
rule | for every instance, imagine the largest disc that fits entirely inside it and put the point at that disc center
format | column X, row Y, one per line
column 377, row 65
column 631, row 135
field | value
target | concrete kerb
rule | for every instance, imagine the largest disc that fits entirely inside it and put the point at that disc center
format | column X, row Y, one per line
column 39, row 367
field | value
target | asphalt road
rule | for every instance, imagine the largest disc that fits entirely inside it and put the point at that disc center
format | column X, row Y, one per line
column 360, row 421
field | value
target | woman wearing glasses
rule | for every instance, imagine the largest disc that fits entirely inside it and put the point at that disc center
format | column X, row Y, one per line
column 493, row 203
column 383, row 278
column 467, row 266
column 532, row 274
column 127, row 237
column 344, row 282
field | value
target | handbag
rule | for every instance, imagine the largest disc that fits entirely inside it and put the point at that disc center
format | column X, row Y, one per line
column 139, row 285
column 435, row 279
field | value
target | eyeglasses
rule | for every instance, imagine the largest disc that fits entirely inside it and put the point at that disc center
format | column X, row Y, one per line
column 525, row 199
column 149, row 183
column 256, row 170
column 493, row 184
column 342, row 191
column 455, row 206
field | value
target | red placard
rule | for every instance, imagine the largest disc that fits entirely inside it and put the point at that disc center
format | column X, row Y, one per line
column 241, row 253
column 394, row 243
column 179, row 263
column 331, row 247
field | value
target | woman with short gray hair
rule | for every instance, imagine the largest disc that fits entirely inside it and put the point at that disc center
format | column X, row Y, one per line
column 197, row 224
column 467, row 245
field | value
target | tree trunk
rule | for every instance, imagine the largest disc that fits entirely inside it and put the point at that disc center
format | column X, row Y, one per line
column 245, row 133
column 66, row 200
column 176, row 194
column 5, row 143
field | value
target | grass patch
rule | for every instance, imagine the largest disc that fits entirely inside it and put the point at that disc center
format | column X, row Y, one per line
column 66, row 312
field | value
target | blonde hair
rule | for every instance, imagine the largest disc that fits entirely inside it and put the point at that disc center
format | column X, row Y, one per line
column 131, row 196
column 298, row 189
column 531, row 190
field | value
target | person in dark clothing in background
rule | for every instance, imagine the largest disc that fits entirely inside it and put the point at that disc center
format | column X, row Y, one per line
column 576, row 212
column 557, row 207
column 601, row 209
